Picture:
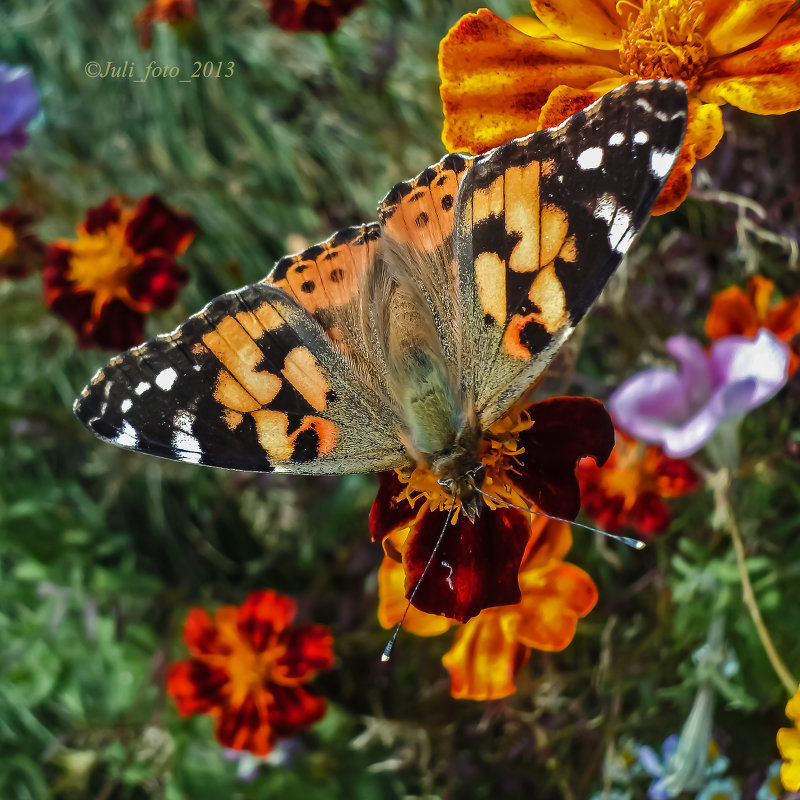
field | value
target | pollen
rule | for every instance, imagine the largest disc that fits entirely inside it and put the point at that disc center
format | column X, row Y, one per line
column 662, row 39
column 499, row 455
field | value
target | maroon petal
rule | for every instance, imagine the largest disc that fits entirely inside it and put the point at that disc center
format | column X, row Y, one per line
column 309, row 649
column 156, row 226
column 388, row 514
column 157, row 282
column 565, row 430
column 118, row 327
column 246, row 727
column 650, row 514
column 475, row 567
column 196, row 686
column 292, row 708
column 263, row 615
column 322, row 16
column 102, row 216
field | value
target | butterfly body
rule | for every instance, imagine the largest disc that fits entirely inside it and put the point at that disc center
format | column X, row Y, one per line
column 399, row 343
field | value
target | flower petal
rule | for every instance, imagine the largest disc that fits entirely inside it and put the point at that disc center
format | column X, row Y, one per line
column 592, row 23
column 321, row 16
column 157, row 283
column 117, row 327
column 552, row 601
column 793, row 707
column 388, row 514
column 565, row 430
column 292, row 708
column 789, row 746
column 102, row 216
column 495, row 79
column 475, row 567
column 650, row 514
column 309, row 649
column 197, row 687
column 731, row 312
column 730, row 25
column 264, row 614
column 392, row 603
column 483, row 660
column 246, row 726
column 550, row 540
column 155, row 226
column 762, row 80
column 201, row 635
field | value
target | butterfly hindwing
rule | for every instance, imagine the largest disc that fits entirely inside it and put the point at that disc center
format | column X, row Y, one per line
column 252, row 382
column 541, row 224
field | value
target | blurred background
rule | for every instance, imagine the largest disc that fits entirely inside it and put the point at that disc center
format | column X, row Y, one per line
column 103, row 552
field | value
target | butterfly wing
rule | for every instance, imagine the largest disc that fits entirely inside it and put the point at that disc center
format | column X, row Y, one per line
column 541, row 224
column 252, row 382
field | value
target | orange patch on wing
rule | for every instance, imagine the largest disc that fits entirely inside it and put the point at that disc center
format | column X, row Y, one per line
column 511, row 337
column 553, row 232
column 490, row 277
column 522, row 215
column 569, row 250
column 231, row 394
column 548, row 293
column 237, row 351
column 272, row 429
column 303, row 372
column 489, row 202
column 233, row 419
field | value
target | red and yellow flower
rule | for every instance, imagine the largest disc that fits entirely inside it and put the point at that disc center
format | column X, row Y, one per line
column 173, row 12
column 120, row 268
column 529, row 456
column 789, row 746
column 20, row 250
column 490, row 649
column 320, row 16
column 247, row 668
column 735, row 312
column 629, row 489
column 502, row 80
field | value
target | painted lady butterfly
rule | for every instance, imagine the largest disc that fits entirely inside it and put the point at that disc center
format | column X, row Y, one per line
column 401, row 341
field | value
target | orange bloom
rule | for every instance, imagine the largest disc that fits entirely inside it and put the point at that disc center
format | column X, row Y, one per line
column 246, row 670
column 789, row 746
column 320, row 16
column 501, row 80
column 20, row 251
column 736, row 312
column 528, row 457
column 490, row 649
column 119, row 269
column 628, row 489
column 173, row 12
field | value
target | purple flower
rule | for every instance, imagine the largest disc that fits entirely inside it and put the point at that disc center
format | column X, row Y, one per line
column 19, row 104
column 682, row 410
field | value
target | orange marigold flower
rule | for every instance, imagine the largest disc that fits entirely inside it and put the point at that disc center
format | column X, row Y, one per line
column 628, row 490
column 501, row 80
column 528, row 457
column 20, row 250
column 119, row 269
column 173, row 12
column 320, row 16
column 789, row 746
column 246, row 670
column 735, row 312
column 490, row 649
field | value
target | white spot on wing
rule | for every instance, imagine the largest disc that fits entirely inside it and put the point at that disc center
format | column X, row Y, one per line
column 166, row 378
column 620, row 227
column 605, row 208
column 126, row 405
column 642, row 103
column 142, row 387
column 661, row 162
column 641, row 137
column 616, row 138
column 591, row 158
column 127, row 436
column 186, row 446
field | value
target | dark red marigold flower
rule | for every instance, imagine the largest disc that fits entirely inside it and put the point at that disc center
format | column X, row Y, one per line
column 247, row 667
column 320, row 16
column 21, row 252
column 121, row 267
column 529, row 456
column 628, row 490
column 172, row 12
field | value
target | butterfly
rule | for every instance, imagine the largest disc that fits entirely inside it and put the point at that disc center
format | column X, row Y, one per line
column 399, row 342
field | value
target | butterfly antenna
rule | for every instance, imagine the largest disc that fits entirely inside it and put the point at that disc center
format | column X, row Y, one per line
column 387, row 651
column 636, row 544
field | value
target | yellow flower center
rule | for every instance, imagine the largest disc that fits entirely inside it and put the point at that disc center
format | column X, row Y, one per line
column 499, row 456
column 627, row 478
column 662, row 40
column 101, row 263
column 250, row 671
column 8, row 240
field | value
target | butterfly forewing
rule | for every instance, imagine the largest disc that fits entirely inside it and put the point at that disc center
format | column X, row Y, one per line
column 542, row 223
column 252, row 382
